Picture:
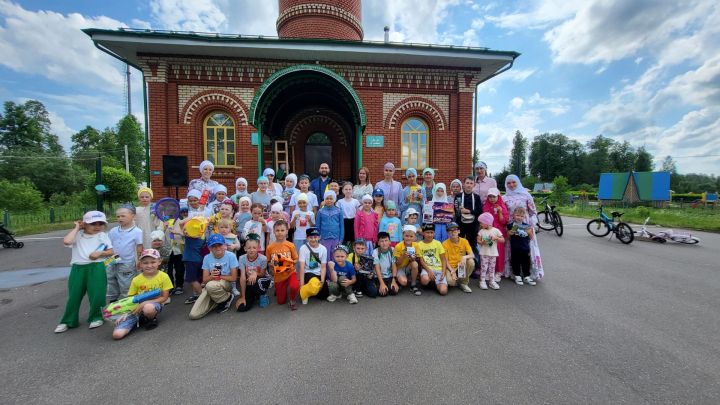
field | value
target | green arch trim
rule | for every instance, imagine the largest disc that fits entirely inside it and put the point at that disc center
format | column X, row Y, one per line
column 280, row 74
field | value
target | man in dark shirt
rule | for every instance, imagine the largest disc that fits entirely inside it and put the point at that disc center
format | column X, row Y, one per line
column 318, row 184
column 468, row 208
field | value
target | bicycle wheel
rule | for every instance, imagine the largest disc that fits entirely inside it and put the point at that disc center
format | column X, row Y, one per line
column 558, row 224
column 597, row 228
column 545, row 221
column 688, row 240
column 624, row 233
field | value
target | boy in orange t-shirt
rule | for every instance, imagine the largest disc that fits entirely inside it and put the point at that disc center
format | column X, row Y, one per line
column 282, row 256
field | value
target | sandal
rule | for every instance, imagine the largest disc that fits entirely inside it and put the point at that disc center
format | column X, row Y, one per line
column 292, row 305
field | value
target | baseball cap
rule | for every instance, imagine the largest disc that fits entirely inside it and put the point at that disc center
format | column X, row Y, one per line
column 493, row 191
column 378, row 192
column 409, row 228
column 150, row 253
column 312, row 232
column 452, row 225
column 428, row 227
column 215, row 239
column 94, row 216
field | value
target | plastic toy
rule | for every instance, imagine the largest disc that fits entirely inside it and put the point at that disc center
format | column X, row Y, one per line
column 127, row 305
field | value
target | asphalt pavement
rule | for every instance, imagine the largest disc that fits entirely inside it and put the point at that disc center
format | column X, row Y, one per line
column 609, row 324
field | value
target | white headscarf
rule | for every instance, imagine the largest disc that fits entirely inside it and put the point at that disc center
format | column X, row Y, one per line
column 436, row 198
column 293, row 178
column 206, row 163
column 238, row 181
column 519, row 189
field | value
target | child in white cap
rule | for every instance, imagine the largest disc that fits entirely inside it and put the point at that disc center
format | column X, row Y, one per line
column 90, row 246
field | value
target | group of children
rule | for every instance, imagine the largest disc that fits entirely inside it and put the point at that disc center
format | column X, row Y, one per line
column 236, row 249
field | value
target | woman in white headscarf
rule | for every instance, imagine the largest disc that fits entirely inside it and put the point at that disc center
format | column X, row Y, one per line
column 290, row 189
column 274, row 189
column 440, row 196
column 517, row 196
column 204, row 182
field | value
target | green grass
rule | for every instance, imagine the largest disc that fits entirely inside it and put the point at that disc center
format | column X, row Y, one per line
column 701, row 219
column 41, row 228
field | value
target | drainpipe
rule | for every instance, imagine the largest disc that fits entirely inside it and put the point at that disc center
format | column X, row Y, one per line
column 387, row 34
column 475, row 103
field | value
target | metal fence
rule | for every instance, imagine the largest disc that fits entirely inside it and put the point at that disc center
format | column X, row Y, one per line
column 50, row 216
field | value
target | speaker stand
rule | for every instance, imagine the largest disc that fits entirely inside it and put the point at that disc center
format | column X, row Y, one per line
column 177, row 193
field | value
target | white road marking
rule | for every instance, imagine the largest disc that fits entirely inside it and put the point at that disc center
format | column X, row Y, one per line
column 45, row 238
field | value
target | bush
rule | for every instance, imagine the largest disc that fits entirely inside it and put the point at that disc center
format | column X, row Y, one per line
column 121, row 185
column 20, row 196
column 560, row 190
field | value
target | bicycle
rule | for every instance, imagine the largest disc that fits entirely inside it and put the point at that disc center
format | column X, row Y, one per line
column 549, row 219
column 666, row 235
column 604, row 225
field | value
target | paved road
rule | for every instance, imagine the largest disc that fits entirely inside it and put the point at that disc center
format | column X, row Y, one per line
column 610, row 324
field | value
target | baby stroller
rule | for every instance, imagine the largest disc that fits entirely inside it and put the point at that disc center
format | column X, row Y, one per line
column 7, row 238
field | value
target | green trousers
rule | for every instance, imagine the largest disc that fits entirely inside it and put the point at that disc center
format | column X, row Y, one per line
column 84, row 278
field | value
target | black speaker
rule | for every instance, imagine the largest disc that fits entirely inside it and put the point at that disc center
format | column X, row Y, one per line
column 175, row 171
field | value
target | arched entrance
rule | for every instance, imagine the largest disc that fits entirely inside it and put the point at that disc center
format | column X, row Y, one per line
column 296, row 104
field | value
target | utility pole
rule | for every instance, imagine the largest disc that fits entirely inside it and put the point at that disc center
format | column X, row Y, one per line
column 127, row 160
column 98, row 181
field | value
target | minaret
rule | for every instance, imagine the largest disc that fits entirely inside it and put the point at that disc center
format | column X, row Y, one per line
column 327, row 19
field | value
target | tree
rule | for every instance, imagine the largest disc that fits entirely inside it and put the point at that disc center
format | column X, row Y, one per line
column 549, row 156
column 130, row 133
column 622, row 157
column 20, row 196
column 598, row 159
column 643, row 160
column 518, row 155
column 25, row 128
column 668, row 165
column 560, row 189
column 122, row 185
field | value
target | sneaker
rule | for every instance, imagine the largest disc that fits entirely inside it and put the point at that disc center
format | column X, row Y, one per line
column 352, row 299
column 192, row 299
column 494, row 285
column 305, row 301
column 530, row 281
column 483, row 285
column 358, row 293
column 225, row 305
column 498, row 278
column 465, row 288
column 518, row 280
column 415, row 290
column 95, row 324
column 264, row 301
column 178, row 291
column 167, row 301
column 331, row 298
column 61, row 328
column 151, row 324
column 235, row 292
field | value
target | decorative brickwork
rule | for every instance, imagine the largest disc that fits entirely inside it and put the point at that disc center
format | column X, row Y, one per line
column 415, row 103
column 214, row 97
column 320, row 19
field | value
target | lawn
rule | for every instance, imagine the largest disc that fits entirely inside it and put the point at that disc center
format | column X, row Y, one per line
column 701, row 219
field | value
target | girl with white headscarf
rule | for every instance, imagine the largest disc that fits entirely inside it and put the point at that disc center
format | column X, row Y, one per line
column 204, row 182
column 273, row 187
column 241, row 190
column 517, row 196
column 291, row 181
column 440, row 196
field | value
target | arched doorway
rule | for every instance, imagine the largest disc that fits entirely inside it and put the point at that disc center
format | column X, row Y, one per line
column 296, row 104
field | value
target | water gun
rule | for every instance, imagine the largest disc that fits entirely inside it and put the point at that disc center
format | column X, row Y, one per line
column 111, row 260
column 488, row 240
column 127, row 305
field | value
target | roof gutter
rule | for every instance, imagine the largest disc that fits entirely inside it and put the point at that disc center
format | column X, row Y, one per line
column 145, row 106
column 475, row 102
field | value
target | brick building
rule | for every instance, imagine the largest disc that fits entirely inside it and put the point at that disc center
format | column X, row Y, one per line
column 316, row 93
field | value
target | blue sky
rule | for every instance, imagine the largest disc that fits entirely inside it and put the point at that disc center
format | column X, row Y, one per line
column 645, row 71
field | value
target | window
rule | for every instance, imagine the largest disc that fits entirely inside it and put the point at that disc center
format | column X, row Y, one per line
column 414, row 144
column 220, row 139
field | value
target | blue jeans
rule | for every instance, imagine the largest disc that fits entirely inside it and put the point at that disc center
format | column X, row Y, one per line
column 130, row 321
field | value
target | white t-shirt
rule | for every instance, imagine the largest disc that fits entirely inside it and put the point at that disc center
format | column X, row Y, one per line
column 304, row 220
column 311, row 265
column 83, row 245
column 349, row 208
column 312, row 200
column 125, row 242
column 255, row 227
column 486, row 250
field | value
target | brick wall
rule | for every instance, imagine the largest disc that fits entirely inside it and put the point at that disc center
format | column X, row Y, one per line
column 339, row 19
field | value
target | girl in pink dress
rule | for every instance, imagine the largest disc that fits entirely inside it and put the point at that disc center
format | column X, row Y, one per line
column 495, row 205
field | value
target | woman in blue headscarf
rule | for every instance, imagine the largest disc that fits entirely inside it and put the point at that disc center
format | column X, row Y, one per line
column 412, row 194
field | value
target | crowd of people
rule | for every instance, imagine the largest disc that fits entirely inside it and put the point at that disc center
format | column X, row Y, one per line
column 320, row 238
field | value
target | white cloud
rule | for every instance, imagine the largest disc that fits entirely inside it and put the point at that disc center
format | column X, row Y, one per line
column 188, row 15
column 546, row 13
column 51, row 44
column 484, row 110
column 409, row 20
column 517, row 102
column 60, row 128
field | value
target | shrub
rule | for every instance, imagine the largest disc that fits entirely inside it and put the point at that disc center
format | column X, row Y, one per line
column 20, row 196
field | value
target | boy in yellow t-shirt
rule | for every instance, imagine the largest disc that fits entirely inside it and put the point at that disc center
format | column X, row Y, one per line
column 459, row 257
column 146, row 312
column 407, row 256
column 433, row 260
